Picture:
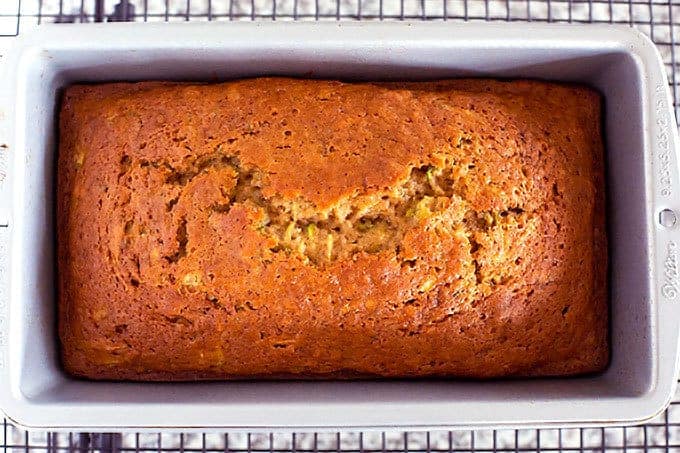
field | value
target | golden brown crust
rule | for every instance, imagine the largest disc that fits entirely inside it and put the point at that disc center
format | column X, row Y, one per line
column 281, row 227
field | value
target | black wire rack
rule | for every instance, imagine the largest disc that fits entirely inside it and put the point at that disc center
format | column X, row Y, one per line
column 660, row 20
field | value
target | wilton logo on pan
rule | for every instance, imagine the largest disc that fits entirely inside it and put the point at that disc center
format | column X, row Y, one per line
column 669, row 289
column 662, row 140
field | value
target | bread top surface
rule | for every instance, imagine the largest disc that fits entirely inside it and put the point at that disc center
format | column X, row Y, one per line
column 282, row 226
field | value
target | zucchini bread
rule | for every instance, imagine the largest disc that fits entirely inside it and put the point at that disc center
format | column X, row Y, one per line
column 285, row 228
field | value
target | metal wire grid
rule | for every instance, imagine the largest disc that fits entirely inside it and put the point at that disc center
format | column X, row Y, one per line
column 658, row 19
column 661, row 436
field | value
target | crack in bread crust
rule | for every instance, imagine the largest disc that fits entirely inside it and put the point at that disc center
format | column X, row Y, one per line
column 361, row 223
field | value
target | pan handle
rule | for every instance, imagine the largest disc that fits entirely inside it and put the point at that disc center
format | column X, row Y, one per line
column 6, row 199
column 664, row 151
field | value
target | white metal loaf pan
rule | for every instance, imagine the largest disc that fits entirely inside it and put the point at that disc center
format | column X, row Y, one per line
column 643, row 181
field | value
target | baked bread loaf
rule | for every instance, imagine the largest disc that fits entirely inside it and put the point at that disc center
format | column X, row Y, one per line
column 277, row 227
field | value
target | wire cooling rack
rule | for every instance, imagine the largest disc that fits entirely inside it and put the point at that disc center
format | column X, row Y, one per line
column 658, row 19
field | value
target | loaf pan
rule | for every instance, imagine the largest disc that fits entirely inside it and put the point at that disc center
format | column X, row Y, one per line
column 643, row 188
